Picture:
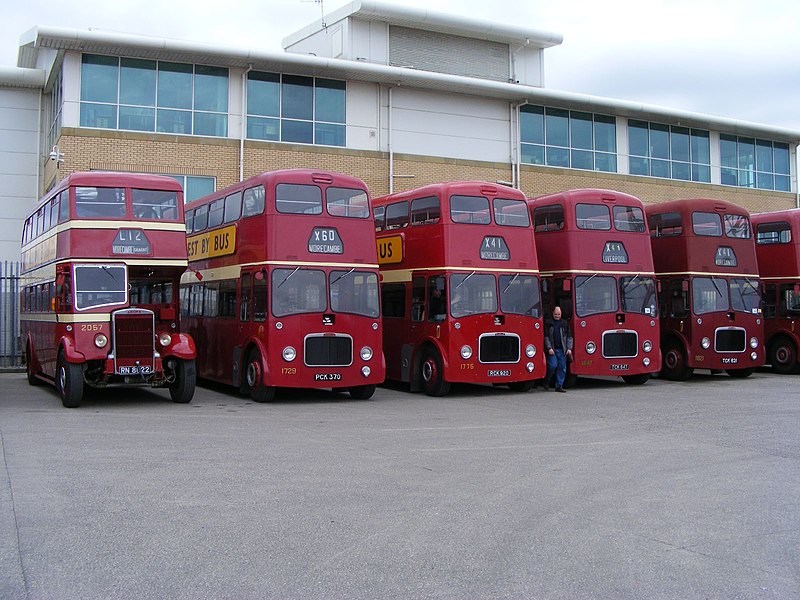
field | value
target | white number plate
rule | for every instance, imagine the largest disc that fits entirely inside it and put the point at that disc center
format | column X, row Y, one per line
column 499, row 373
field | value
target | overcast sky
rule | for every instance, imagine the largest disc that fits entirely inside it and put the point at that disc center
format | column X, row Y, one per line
column 732, row 58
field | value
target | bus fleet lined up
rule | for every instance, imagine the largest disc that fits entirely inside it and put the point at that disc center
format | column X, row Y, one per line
column 297, row 279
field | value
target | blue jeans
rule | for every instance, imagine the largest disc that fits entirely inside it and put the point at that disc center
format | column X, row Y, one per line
column 557, row 362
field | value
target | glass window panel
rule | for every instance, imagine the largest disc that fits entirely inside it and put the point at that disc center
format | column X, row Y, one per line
column 298, row 199
column 639, row 166
column 260, row 128
column 425, row 211
column 747, row 178
column 137, row 119
column 233, row 207
column 659, row 168
column 211, row 89
column 782, row 183
column 727, row 151
column 263, row 94
column 638, row 139
column 593, row 216
column 548, row 218
column 595, row 294
column 781, row 155
column 605, row 133
column 297, row 131
column 532, row 155
column 556, row 128
column 628, row 218
column 728, row 176
column 659, row 141
column 765, row 181
column 137, row 82
column 155, row 204
column 700, row 147
column 681, row 170
column 746, row 153
column 581, row 130
column 197, row 187
column 709, row 294
column 470, row 209
column 98, row 115
column 347, row 202
column 397, row 215
column 201, row 218
column 99, row 78
column 297, row 98
column 327, row 134
column 174, row 85
column 679, row 142
column 511, row 213
column 329, row 100
column 557, row 157
column 531, row 122
column 216, row 212
column 701, row 173
column 99, row 202
column 707, row 224
column 253, row 203
column 737, row 226
column 210, row 124
column 764, row 156
column 605, row 162
column 582, row 159
column 174, row 121
column 298, row 291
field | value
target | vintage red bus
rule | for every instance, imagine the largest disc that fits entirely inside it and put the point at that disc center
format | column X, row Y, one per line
column 284, row 292
column 460, row 287
column 710, row 305
column 594, row 253
column 102, row 257
column 778, row 253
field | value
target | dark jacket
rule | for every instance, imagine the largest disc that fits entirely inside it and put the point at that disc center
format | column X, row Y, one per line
column 566, row 335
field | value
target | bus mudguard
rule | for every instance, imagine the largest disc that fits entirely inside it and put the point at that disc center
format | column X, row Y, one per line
column 182, row 347
column 71, row 354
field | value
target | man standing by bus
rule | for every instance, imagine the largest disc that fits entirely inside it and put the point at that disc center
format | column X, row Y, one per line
column 558, row 343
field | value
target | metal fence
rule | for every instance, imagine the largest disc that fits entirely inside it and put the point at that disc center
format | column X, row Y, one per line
column 10, row 344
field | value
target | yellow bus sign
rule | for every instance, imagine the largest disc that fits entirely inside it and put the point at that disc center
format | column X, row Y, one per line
column 390, row 250
column 219, row 242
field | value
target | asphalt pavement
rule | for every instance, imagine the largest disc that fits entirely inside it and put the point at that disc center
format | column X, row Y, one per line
column 666, row 490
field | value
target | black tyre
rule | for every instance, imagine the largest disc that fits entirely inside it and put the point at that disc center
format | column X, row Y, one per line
column 432, row 375
column 362, row 392
column 783, row 356
column 639, row 379
column 182, row 389
column 739, row 373
column 254, row 375
column 32, row 378
column 69, row 382
column 521, row 386
column 673, row 365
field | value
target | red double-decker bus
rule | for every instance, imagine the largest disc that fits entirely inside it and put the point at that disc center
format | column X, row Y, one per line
column 778, row 253
column 102, row 258
column 460, row 287
column 710, row 304
column 284, row 292
column 597, row 266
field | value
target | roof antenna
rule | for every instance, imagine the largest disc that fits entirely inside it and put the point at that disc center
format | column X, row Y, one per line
column 321, row 11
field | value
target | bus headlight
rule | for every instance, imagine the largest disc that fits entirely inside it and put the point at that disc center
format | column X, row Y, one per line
column 753, row 355
column 289, row 354
column 164, row 339
column 530, row 350
column 647, row 346
column 466, row 352
column 753, row 343
column 590, row 347
column 366, row 353
column 529, row 366
column 646, row 362
column 100, row 340
column 365, row 371
column 705, row 343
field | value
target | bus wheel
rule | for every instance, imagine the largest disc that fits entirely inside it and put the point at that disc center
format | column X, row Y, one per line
column 255, row 379
column 636, row 379
column 739, row 373
column 32, row 379
column 182, row 389
column 783, row 356
column 521, row 386
column 674, row 364
column 362, row 392
column 69, row 382
column 432, row 376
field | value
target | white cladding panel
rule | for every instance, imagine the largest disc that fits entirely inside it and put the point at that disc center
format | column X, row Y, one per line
column 450, row 125
column 370, row 41
column 362, row 116
column 529, row 67
column 19, row 136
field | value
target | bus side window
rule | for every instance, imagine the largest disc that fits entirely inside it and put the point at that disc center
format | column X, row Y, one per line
column 790, row 300
column 437, row 298
column 562, row 297
column 769, row 307
column 244, row 298
column 679, row 299
column 260, row 296
column 418, row 299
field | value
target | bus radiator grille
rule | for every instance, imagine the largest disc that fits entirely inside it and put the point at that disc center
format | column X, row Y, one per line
column 620, row 344
column 328, row 351
column 730, row 340
column 133, row 336
column 498, row 349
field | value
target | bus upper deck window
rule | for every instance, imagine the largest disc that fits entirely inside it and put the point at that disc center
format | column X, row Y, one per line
column 708, row 224
column 155, row 204
column 297, row 199
column 253, row 201
column 548, row 218
column 345, row 202
column 469, row 209
column 425, row 211
column 593, row 216
column 397, row 215
column 94, row 202
column 737, row 226
column 511, row 213
column 629, row 218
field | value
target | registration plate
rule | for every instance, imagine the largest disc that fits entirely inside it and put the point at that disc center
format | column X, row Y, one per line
column 499, row 373
column 135, row 370
column 327, row 376
column 619, row 367
column 730, row 361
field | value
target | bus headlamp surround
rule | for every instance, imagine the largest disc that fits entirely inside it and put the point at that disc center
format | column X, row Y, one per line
column 466, row 352
column 366, row 353
column 289, row 354
column 754, row 343
column 705, row 343
column 530, row 350
column 164, row 339
column 100, row 340
column 647, row 346
column 591, row 347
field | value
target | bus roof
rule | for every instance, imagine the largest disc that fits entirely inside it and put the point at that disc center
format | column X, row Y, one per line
column 583, row 195
column 446, row 188
column 696, row 205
